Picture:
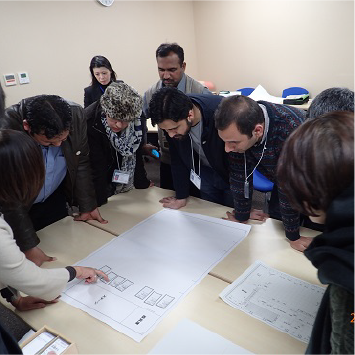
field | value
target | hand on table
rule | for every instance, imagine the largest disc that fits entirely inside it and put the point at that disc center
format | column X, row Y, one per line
column 37, row 256
column 28, row 303
column 301, row 244
column 257, row 215
column 88, row 216
column 147, row 150
column 89, row 274
column 173, row 203
column 230, row 217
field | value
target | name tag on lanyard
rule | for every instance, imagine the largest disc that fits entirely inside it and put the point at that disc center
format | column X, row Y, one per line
column 195, row 179
column 121, row 177
column 246, row 189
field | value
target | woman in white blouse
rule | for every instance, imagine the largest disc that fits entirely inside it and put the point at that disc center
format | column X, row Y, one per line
column 21, row 176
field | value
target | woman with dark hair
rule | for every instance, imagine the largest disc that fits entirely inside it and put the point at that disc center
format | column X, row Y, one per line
column 21, row 176
column 316, row 172
column 102, row 76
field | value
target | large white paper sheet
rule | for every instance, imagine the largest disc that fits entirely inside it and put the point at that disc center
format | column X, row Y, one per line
column 152, row 267
column 276, row 298
column 190, row 338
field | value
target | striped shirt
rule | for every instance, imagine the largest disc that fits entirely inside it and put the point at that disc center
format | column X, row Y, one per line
column 283, row 120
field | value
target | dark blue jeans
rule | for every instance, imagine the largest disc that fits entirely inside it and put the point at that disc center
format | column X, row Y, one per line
column 214, row 188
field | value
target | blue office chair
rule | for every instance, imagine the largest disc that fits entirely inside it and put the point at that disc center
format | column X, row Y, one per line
column 262, row 184
column 246, row 91
column 294, row 91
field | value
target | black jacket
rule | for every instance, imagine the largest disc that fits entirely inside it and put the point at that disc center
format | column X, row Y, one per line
column 8, row 344
column 332, row 253
column 93, row 92
column 103, row 157
column 212, row 145
column 78, row 186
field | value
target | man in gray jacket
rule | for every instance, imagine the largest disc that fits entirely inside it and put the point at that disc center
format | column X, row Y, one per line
column 171, row 70
column 59, row 128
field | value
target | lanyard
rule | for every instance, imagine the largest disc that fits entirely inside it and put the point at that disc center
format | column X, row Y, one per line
column 118, row 163
column 192, row 157
column 192, row 150
column 246, row 182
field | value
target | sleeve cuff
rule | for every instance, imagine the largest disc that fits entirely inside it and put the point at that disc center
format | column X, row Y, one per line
column 242, row 217
column 72, row 273
column 292, row 235
column 9, row 294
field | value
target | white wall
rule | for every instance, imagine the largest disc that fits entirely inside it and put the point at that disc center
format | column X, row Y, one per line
column 232, row 43
column 54, row 42
column 276, row 44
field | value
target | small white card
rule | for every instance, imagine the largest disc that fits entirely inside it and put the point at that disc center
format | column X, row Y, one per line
column 38, row 343
column 195, row 179
column 121, row 177
column 57, row 346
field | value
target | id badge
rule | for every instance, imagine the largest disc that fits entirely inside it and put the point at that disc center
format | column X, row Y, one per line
column 120, row 177
column 246, row 189
column 195, row 179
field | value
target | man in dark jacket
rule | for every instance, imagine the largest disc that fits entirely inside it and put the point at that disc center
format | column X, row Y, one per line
column 171, row 65
column 197, row 152
column 59, row 128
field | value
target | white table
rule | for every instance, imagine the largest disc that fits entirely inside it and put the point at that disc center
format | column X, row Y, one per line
column 71, row 241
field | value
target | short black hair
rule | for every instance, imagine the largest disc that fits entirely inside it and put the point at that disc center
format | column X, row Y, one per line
column 241, row 110
column 169, row 103
column 166, row 48
column 48, row 114
column 317, row 161
column 332, row 99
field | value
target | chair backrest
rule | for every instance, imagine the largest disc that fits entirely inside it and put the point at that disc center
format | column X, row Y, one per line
column 295, row 90
column 246, row 91
column 261, row 183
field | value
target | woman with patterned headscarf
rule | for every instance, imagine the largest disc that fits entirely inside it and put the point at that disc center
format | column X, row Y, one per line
column 114, row 136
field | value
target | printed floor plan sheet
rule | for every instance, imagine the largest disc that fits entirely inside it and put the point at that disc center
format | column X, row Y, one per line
column 276, row 298
column 151, row 268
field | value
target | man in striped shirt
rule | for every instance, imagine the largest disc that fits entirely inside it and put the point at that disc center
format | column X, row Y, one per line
column 254, row 133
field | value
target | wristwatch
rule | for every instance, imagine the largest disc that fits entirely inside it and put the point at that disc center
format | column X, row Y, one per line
column 10, row 294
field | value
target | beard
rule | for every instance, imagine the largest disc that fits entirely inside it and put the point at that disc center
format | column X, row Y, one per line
column 181, row 137
column 169, row 83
